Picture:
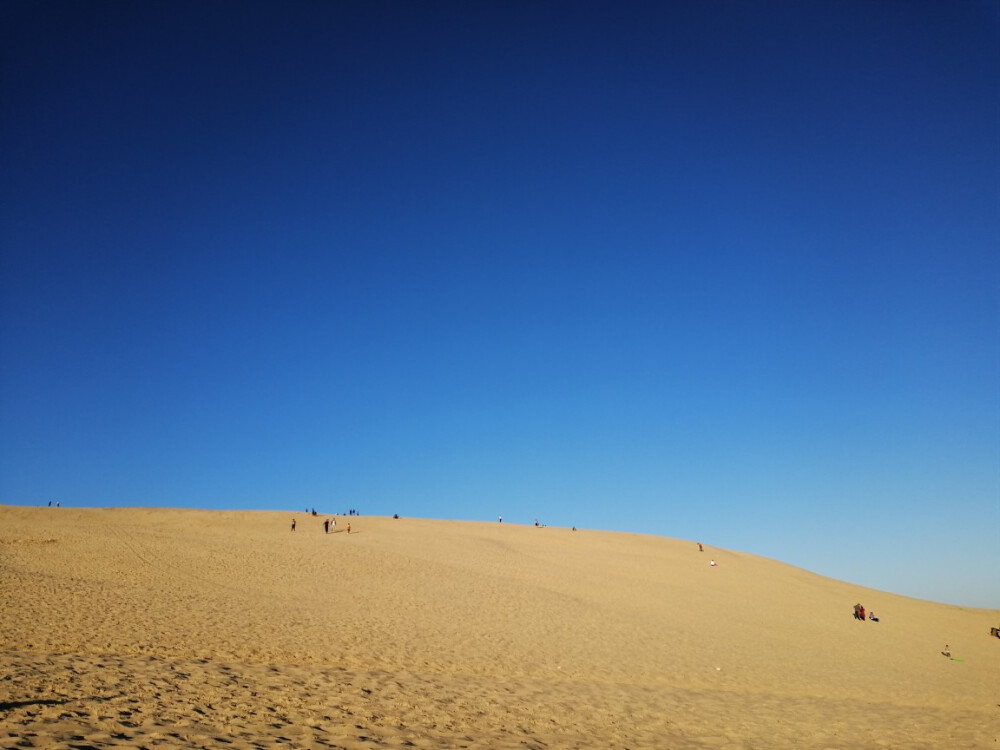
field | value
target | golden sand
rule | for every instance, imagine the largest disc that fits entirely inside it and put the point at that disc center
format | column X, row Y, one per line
column 181, row 628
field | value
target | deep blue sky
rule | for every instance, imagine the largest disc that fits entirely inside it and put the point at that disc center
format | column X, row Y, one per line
column 718, row 271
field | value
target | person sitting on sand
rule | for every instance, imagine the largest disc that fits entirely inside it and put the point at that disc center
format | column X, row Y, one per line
column 872, row 617
column 947, row 651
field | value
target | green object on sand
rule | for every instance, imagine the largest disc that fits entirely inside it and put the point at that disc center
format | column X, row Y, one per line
column 954, row 659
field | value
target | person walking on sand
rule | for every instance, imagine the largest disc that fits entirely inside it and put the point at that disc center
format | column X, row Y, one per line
column 293, row 524
column 700, row 548
column 326, row 526
column 348, row 528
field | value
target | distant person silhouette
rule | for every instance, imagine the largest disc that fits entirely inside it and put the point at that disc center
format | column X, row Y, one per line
column 293, row 524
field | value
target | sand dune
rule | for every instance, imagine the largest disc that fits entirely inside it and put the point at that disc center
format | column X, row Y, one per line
column 181, row 628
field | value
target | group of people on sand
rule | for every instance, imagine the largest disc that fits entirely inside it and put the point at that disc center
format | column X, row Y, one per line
column 712, row 562
column 859, row 613
column 351, row 512
column 328, row 524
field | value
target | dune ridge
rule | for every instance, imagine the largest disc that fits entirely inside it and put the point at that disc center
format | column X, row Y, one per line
column 150, row 627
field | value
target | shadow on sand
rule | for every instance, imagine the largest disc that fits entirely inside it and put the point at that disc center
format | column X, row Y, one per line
column 7, row 706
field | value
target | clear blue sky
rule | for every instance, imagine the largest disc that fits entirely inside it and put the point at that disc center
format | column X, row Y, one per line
column 720, row 271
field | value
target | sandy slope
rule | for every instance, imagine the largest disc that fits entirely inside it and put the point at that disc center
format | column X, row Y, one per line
column 179, row 628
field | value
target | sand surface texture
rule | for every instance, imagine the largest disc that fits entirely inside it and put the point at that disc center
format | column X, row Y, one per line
column 145, row 628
